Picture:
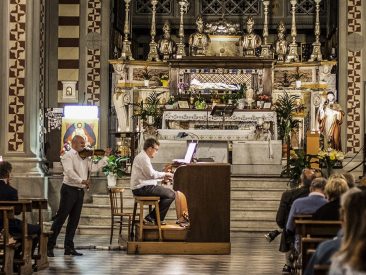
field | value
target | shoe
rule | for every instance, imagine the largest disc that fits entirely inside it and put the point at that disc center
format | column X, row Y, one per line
column 162, row 222
column 50, row 253
column 271, row 235
column 287, row 269
column 72, row 252
column 148, row 221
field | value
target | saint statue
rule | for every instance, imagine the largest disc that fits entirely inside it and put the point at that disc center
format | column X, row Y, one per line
column 198, row 41
column 281, row 43
column 330, row 116
column 250, row 41
column 166, row 45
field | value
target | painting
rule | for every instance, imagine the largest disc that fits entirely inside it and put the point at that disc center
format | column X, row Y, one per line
column 87, row 128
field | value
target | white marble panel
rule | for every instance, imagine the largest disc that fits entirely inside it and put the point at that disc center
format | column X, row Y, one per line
column 257, row 152
column 169, row 150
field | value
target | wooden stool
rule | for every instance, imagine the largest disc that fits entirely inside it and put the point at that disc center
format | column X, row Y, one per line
column 150, row 201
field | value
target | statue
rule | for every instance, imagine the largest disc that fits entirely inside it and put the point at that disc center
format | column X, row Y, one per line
column 198, row 41
column 250, row 41
column 330, row 116
column 281, row 43
column 166, row 46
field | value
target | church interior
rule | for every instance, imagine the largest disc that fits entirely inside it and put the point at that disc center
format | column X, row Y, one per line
column 253, row 108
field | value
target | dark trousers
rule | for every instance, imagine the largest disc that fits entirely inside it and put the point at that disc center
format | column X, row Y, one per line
column 71, row 203
column 16, row 229
column 166, row 195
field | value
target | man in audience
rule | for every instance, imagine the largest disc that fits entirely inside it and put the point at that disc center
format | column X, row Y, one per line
column 334, row 188
column 9, row 193
column 305, row 205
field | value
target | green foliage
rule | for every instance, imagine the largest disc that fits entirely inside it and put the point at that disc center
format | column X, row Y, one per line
column 150, row 108
column 297, row 75
column 146, row 73
column 285, row 107
column 298, row 161
column 115, row 166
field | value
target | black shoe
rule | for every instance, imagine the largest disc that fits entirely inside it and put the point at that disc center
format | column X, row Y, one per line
column 287, row 269
column 271, row 235
column 50, row 253
column 72, row 252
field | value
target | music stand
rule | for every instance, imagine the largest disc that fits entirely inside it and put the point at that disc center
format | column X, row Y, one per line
column 223, row 111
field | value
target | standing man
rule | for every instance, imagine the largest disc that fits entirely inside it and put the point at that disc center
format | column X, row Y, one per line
column 143, row 180
column 76, row 179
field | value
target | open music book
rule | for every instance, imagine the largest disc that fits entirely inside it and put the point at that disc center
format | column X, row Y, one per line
column 189, row 153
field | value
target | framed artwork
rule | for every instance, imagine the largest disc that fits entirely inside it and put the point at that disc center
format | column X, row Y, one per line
column 298, row 134
column 182, row 104
column 267, row 105
column 69, row 93
column 87, row 128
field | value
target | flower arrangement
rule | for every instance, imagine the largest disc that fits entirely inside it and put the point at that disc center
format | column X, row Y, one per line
column 146, row 73
column 330, row 159
column 115, row 166
column 297, row 75
column 265, row 98
column 164, row 77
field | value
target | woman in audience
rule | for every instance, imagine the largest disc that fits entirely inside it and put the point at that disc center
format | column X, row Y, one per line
column 326, row 249
column 350, row 179
column 351, row 257
column 333, row 190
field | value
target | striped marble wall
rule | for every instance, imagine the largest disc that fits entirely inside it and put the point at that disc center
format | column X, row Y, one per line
column 68, row 41
column 93, row 53
column 16, row 52
column 354, row 82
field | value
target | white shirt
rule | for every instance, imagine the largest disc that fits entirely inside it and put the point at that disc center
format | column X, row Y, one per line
column 76, row 169
column 143, row 173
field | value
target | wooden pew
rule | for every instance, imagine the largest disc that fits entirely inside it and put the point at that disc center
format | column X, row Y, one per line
column 41, row 258
column 321, row 269
column 7, row 254
column 313, row 232
column 23, row 206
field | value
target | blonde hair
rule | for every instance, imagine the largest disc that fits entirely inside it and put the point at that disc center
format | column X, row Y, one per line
column 353, row 212
column 335, row 187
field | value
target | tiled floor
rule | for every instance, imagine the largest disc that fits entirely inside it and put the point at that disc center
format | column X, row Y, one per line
column 250, row 254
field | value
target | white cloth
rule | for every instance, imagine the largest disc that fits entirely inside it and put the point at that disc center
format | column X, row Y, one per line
column 337, row 268
column 76, row 169
column 143, row 173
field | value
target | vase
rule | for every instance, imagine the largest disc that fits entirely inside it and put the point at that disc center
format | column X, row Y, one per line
column 146, row 82
column 111, row 180
column 298, row 84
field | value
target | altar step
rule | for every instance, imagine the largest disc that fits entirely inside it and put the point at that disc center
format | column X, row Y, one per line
column 254, row 203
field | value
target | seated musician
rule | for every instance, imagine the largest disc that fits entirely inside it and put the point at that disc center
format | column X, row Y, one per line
column 144, row 180
column 9, row 193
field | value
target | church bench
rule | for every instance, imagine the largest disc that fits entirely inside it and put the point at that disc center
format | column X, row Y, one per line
column 25, row 262
column 6, row 248
column 311, row 234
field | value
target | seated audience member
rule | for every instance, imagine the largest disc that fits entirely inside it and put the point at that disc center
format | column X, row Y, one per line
column 326, row 249
column 287, row 198
column 351, row 257
column 333, row 191
column 350, row 179
column 362, row 184
column 9, row 193
column 309, row 204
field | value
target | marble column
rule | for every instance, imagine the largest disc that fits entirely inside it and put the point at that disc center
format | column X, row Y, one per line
column 22, row 97
column 352, row 56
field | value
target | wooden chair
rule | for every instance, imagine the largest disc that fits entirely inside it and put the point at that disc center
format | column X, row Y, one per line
column 150, row 201
column 7, row 250
column 117, row 213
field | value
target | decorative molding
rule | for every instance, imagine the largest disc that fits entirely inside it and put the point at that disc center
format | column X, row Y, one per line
column 354, row 69
column 93, row 70
column 17, row 66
